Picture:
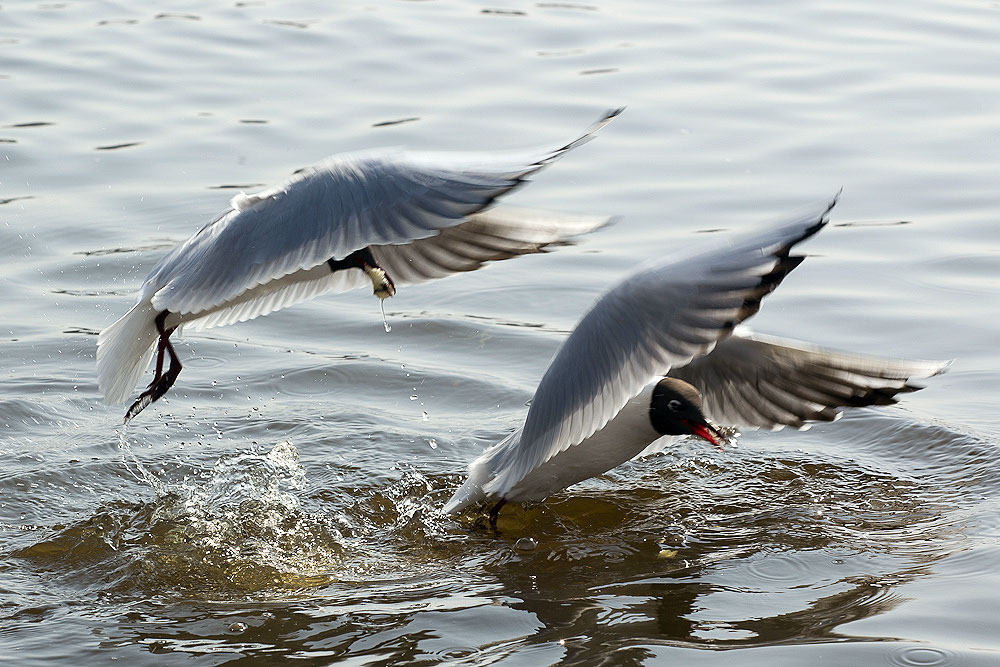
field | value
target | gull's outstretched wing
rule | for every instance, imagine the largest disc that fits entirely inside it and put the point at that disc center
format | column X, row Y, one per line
column 500, row 233
column 345, row 203
column 756, row 381
column 661, row 317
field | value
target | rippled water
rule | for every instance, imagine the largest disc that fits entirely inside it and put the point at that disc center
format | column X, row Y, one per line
column 283, row 500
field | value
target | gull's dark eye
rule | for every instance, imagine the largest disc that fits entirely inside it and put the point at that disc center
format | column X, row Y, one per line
column 674, row 405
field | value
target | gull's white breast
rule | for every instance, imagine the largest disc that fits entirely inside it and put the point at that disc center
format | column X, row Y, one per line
column 621, row 439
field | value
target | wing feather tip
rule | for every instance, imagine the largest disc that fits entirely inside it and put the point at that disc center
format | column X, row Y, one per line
column 587, row 135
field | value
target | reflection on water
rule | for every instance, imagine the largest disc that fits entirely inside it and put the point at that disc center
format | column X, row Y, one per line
column 692, row 547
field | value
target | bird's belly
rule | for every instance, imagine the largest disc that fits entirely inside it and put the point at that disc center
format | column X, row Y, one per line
column 621, row 439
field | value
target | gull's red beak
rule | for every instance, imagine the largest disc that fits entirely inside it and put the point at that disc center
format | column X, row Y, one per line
column 706, row 431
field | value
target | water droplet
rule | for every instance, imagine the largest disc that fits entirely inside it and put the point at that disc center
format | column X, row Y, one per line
column 433, row 443
column 526, row 544
column 425, row 417
column 413, row 398
column 385, row 322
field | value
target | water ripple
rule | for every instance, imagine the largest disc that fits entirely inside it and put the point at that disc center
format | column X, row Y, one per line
column 246, row 552
column 779, row 568
column 922, row 656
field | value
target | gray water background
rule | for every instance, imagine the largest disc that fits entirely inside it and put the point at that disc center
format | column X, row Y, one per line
column 281, row 502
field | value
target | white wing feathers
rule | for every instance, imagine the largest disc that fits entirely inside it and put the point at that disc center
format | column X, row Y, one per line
column 756, row 381
column 277, row 294
column 660, row 317
column 347, row 202
column 499, row 233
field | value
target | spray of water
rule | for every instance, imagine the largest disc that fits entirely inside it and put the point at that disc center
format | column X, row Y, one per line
column 134, row 466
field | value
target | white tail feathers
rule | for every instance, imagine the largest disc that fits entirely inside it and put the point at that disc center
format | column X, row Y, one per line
column 123, row 352
column 481, row 471
column 470, row 494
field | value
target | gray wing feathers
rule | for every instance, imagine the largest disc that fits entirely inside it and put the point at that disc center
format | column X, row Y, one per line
column 496, row 234
column 327, row 212
column 499, row 233
column 757, row 381
column 661, row 317
column 347, row 202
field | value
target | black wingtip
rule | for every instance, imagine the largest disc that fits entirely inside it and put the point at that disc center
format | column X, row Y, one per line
column 821, row 221
column 786, row 263
column 824, row 219
column 611, row 113
column 610, row 222
column 608, row 116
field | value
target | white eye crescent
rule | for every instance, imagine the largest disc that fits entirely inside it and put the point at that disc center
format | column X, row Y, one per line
column 674, row 405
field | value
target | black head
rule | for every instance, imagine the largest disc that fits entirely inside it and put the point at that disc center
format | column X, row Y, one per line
column 676, row 410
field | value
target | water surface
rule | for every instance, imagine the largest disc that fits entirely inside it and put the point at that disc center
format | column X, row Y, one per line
column 283, row 500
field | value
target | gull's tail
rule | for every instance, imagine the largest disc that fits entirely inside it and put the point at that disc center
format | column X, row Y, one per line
column 481, row 471
column 123, row 352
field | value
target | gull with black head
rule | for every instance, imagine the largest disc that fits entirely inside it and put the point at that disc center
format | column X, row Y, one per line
column 661, row 356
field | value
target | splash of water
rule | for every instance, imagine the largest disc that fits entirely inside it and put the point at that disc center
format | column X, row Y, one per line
column 134, row 466
column 243, row 525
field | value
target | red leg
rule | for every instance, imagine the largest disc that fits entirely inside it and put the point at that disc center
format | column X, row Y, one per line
column 159, row 360
column 495, row 513
column 161, row 381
